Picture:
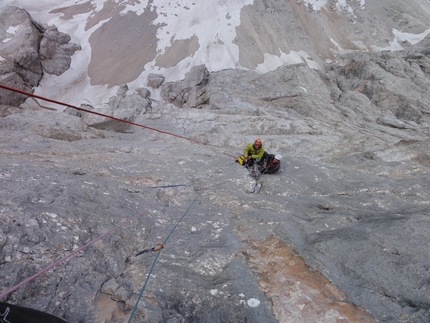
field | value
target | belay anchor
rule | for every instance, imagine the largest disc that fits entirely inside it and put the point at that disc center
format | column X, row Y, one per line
column 255, row 173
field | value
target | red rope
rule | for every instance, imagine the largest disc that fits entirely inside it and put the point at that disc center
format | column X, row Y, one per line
column 102, row 115
column 121, row 224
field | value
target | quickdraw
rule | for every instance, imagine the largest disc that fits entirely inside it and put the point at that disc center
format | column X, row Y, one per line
column 154, row 249
column 257, row 186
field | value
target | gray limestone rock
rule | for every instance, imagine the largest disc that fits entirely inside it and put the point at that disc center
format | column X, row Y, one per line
column 56, row 51
column 29, row 49
column 155, row 80
column 190, row 92
column 351, row 198
column 121, row 106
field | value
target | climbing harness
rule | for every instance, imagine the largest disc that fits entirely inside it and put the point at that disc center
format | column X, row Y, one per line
column 253, row 172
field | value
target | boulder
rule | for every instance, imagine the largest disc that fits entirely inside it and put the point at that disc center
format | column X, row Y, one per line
column 20, row 65
column 56, row 51
column 190, row 92
column 27, row 50
column 123, row 106
column 155, row 80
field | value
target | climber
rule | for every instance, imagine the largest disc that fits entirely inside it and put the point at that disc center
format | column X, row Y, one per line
column 269, row 163
column 252, row 152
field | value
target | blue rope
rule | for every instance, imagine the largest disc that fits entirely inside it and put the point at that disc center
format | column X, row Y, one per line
column 171, row 232
column 143, row 288
column 156, row 257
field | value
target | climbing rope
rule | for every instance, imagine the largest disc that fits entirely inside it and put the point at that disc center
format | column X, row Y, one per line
column 156, row 257
column 107, row 116
column 70, row 255
column 161, row 246
column 123, row 223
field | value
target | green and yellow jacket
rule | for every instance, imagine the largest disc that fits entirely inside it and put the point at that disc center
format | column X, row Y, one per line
column 254, row 153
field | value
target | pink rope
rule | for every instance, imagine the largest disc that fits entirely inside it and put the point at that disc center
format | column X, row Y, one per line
column 121, row 224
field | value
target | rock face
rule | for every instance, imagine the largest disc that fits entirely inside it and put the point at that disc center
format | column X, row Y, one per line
column 254, row 35
column 155, row 80
column 121, row 106
column 352, row 199
column 27, row 50
column 189, row 93
column 56, row 51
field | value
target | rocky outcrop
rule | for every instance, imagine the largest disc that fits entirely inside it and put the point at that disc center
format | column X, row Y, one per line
column 190, row 92
column 155, row 80
column 56, row 51
column 376, row 88
column 392, row 81
column 122, row 106
column 27, row 50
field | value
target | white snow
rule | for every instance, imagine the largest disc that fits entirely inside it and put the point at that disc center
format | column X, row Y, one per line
column 182, row 20
column 341, row 4
column 316, row 4
column 401, row 37
column 178, row 20
column 12, row 30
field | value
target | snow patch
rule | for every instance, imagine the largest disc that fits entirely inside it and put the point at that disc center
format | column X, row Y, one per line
column 400, row 37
